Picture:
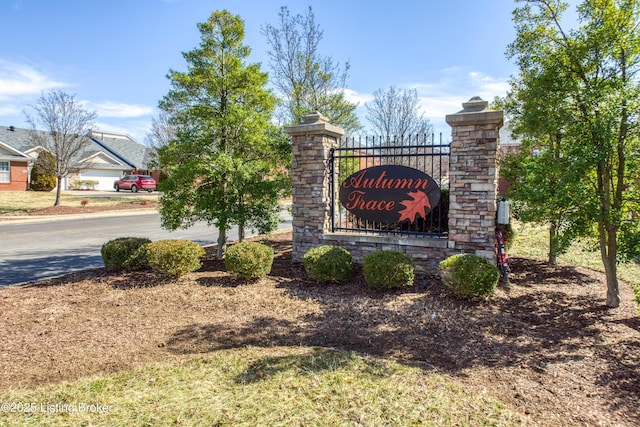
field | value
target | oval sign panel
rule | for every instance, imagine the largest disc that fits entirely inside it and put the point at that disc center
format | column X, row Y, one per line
column 389, row 193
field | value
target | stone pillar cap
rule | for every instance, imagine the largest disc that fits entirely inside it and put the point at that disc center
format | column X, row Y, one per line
column 315, row 117
column 475, row 104
column 315, row 124
column 475, row 112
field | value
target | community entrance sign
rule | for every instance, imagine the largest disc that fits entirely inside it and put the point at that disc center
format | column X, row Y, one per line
column 390, row 193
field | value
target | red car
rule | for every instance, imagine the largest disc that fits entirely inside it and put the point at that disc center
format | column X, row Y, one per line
column 135, row 183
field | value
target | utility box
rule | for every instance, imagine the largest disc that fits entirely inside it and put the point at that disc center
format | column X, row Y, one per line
column 503, row 212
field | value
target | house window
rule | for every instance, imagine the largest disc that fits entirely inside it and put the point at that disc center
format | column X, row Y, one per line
column 5, row 175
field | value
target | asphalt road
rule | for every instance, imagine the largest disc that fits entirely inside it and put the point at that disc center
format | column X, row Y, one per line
column 35, row 250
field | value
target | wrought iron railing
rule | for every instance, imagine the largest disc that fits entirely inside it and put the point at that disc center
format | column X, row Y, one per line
column 418, row 152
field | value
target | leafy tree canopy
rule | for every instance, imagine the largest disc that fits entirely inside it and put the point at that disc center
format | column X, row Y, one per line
column 575, row 104
column 226, row 161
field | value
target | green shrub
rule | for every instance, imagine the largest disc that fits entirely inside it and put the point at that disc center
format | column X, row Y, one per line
column 469, row 275
column 43, row 176
column 174, row 257
column 328, row 263
column 129, row 253
column 388, row 269
column 249, row 260
column 85, row 184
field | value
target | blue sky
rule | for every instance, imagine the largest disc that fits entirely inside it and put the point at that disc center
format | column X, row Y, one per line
column 114, row 55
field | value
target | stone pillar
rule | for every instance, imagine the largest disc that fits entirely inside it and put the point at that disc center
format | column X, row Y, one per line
column 311, row 142
column 473, row 178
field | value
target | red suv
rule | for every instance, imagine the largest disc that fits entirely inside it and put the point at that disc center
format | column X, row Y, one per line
column 135, row 183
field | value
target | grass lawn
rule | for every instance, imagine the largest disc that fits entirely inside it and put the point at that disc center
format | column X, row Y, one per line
column 261, row 387
column 533, row 242
column 23, row 202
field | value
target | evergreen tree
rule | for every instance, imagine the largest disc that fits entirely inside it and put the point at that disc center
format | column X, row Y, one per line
column 226, row 162
column 43, row 173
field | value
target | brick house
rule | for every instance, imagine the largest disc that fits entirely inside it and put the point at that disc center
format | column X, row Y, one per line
column 14, row 168
column 107, row 157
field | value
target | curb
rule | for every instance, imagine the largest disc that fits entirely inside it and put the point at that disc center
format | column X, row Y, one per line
column 62, row 217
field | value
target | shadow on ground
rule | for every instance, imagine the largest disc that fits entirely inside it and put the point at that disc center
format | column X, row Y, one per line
column 549, row 319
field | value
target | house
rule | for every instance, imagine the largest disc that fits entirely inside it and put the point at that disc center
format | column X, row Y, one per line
column 107, row 157
column 112, row 156
column 14, row 168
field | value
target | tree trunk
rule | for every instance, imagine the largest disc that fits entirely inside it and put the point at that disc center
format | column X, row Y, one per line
column 58, row 191
column 222, row 240
column 611, row 269
column 241, row 222
column 613, row 290
column 608, row 251
column 553, row 253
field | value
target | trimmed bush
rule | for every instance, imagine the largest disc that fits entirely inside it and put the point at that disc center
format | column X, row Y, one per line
column 249, row 260
column 328, row 263
column 129, row 253
column 85, row 184
column 388, row 269
column 469, row 275
column 43, row 176
column 174, row 257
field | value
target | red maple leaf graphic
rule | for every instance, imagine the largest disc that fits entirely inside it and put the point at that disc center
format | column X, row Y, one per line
column 417, row 205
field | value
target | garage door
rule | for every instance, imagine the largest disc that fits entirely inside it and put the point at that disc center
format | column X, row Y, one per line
column 105, row 178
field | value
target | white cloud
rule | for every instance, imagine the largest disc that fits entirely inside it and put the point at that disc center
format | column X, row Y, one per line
column 446, row 94
column 10, row 109
column 120, row 110
column 489, row 87
column 20, row 80
column 456, row 86
column 357, row 98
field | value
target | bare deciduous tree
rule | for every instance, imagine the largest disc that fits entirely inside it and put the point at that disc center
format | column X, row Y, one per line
column 66, row 124
column 305, row 79
column 162, row 130
column 395, row 113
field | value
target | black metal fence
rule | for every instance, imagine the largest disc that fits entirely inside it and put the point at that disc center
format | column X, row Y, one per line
column 420, row 152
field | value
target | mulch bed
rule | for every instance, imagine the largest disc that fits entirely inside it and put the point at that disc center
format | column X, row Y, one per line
column 546, row 345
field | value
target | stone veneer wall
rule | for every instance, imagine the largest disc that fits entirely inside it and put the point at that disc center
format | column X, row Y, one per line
column 311, row 142
column 473, row 180
column 426, row 253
